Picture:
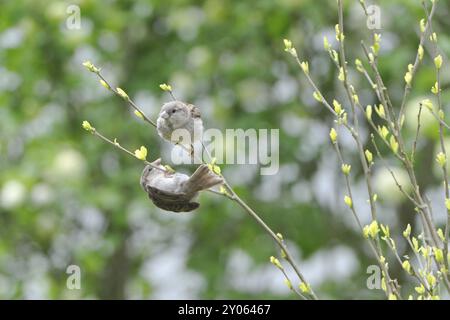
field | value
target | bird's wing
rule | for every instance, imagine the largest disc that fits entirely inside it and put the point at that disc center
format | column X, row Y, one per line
column 165, row 195
column 203, row 178
column 195, row 112
column 177, row 202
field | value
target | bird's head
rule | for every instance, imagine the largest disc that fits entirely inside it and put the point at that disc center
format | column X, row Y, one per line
column 176, row 113
column 149, row 170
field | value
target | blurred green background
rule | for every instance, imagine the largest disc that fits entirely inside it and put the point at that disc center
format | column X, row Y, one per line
column 67, row 198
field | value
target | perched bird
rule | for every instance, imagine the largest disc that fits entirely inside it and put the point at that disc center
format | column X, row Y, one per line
column 186, row 118
column 173, row 191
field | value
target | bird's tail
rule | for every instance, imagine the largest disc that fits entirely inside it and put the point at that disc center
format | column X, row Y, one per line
column 203, row 178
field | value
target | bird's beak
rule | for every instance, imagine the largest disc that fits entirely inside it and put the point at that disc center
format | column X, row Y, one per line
column 157, row 162
column 164, row 115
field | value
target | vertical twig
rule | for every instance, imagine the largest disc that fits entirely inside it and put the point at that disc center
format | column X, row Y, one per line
column 442, row 144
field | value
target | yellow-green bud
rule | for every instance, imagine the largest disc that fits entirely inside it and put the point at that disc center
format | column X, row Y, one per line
column 141, row 153
column 339, row 34
column 439, row 255
column 317, row 96
column 122, row 93
column 415, row 243
column 420, row 52
column 276, row 262
column 337, row 107
column 435, row 88
column 346, row 169
column 422, row 25
column 366, row 231
column 305, row 66
column 326, row 44
column 359, row 65
column 420, row 289
column 380, row 111
column 336, row 29
column 383, row 131
column 304, row 287
column 369, row 156
column 348, row 201
column 287, row 44
column 431, row 279
column 165, row 87
column 223, row 190
column 90, row 66
column 394, row 144
column 289, row 48
column 425, row 251
column 335, row 55
column 441, row 159
column 333, row 135
column 169, row 169
column 433, row 37
column 441, row 234
column 215, row 168
column 104, row 84
column 341, row 75
column 407, row 231
column 376, row 37
column 374, row 229
column 369, row 112
column 427, row 104
column 385, row 230
column 447, row 203
column 408, row 78
column 288, row 284
column 438, row 62
column 87, row 126
column 406, row 266
column 138, row 114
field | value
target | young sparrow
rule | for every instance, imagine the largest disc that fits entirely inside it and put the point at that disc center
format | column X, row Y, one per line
column 176, row 191
column 177, row 115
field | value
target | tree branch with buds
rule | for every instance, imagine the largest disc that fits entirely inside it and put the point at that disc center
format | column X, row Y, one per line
column 304, row 290
column 434, row 247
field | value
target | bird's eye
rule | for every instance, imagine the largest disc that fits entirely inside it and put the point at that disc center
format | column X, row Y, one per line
column 173, row 110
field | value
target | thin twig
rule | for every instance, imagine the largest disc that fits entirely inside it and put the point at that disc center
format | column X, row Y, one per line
column 386, row 165
column 128, row 99
column 117, row 145
column 413, row 152
column 372, row 243
column 367, row 174
column 413, row 271
column 426, row 211
column 416, row 60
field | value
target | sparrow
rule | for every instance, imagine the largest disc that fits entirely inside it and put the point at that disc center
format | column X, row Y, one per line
column 173, row 191
column 179, row 115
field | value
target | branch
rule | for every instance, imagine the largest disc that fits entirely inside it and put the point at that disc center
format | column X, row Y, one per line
column 231, row 194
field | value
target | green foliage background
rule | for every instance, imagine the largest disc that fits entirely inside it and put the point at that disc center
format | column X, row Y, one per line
column 67, row 198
